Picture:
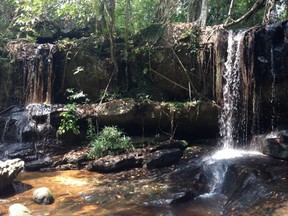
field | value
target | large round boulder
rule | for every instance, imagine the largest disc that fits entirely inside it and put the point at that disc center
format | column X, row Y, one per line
column 43, row 196
column 18, row 209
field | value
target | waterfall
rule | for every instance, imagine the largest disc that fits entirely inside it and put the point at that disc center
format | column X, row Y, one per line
column 230, row 119
column 231, row 91
column 38, row 75
column 273, row 91
column 32, row 76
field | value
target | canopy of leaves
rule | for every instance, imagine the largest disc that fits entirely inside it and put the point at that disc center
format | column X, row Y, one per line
column 22, row 17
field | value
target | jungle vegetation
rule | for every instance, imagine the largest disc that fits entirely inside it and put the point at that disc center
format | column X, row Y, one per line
column 121, row 18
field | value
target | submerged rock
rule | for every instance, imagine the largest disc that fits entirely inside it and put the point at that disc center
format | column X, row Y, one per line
column 9, row 171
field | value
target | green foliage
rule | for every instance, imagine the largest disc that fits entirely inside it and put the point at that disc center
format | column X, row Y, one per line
column 109, row 96
column 218, row 12
column 23, row 17
column 69, row 120
column 74, row 95
column 66, row 14
column 66, row 43
column 91, row 133
column 110, row 141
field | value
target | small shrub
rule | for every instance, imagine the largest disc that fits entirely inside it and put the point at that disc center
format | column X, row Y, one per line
column 110, row 141
column 69, row 120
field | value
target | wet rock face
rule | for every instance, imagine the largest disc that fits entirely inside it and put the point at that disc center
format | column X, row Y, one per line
column 25, row 132
column 197, row 118
column 254, row 181
column 30, row 133
column 271, row 74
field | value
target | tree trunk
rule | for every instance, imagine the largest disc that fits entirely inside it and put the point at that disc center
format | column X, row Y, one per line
column 194, row 9
column 110, row 10
column 127, row 24
column 198, row 12
column 204, row 13
column 101, row 25
column 164, row 10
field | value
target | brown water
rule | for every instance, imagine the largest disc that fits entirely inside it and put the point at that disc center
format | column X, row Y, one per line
column 67, row 188
column 136, row 192
column 148, row 193
column 89, row 193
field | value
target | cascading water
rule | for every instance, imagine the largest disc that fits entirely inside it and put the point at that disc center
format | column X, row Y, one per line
column 217, row 164
column 273, row 90
column 32, row 77
column 38, row 73
column 231, row 91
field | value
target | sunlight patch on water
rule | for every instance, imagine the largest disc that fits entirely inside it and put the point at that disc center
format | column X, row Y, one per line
column 70, row 181
column 207, row 195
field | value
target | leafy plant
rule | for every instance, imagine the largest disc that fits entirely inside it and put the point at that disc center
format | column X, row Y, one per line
column 69, row 120
column 109, row 96
column 91, row 133
column 110, row 141
column 74, row 95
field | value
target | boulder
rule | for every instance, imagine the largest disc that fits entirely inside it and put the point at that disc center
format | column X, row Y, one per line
column 43, row 196
column 38, row 164
column 116, row 163
column 169, row 144
column 274, row 144
column 18, row 209
column 163, row 158
column 9, row 171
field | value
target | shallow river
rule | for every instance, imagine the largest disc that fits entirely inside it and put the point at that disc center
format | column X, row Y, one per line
column 252, row 186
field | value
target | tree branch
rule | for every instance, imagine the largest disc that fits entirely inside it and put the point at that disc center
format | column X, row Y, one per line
column 229, row 12
column 268, row 8
column 257, row 6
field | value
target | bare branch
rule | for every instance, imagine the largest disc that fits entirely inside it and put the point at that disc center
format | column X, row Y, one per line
column 229, row 12
column 257, row 6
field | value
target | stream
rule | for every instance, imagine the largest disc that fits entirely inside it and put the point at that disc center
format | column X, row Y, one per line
column 244, row 183
column 227, row 181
